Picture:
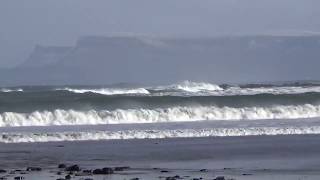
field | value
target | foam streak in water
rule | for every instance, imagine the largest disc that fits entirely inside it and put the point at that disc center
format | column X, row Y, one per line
column 152, row 134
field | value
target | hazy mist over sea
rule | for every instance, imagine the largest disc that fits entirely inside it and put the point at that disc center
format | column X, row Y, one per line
column 107, row 42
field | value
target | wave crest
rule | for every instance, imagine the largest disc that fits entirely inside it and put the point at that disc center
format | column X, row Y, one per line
column 108, row 91
column 194, row 87
column 154, row 134
column 174, row 114
column 11, row 90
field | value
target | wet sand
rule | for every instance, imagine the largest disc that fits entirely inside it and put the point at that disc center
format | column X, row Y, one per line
column 251, row 157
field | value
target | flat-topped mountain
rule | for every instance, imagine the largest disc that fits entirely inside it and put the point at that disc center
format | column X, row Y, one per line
column 106, row 60
column 45, row 56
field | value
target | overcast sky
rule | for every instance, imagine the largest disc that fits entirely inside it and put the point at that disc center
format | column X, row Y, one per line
column 23, row 24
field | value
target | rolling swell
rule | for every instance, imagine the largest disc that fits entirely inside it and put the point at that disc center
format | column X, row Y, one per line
column 236, row 108
column 159, row 115
column 52, row 100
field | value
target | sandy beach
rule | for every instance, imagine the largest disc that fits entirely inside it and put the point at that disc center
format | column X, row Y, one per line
column 251, row 157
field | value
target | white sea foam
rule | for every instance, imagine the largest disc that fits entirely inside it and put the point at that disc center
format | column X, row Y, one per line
column 268, row 90
column 11, row 90
column 109, row 91
column 152, row 134
column 189, row 88
column 206, row 89
column 195, row 86
column 174, row 114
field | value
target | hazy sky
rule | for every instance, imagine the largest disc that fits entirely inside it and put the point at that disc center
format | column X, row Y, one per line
column 24, row 24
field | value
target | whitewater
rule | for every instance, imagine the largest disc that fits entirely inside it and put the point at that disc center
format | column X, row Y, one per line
column 108, row 91
column 175, row 114
column 184, row 102
column 153, row 134
column 188, row 88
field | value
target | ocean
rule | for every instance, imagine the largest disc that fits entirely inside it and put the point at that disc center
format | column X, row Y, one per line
column 187, row 109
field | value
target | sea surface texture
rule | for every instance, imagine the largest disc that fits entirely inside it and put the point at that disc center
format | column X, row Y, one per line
column 186, row 109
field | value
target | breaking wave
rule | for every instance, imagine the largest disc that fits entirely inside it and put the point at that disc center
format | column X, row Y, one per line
column 174, row 114
column 207, row 89
column 154, row 134
column 185, row 88
column 189, row 88
column 233, row 111
column 108, row 91
column 268, row 90
column 11, row 90
column 194, row 87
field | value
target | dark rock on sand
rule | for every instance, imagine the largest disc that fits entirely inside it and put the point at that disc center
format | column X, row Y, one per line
column 164, row 171
column 73, row 168
column 134, row 179
column 220, row 178
column 203, row 170
column 84, row 173
column 107, row 170
column 18, row 178
column 174, row 177
column 103, row 171
column 68, row 176
column 2, row 171
column 62, row 166
column 246, row 174
column 122, row 168
column 87, row 171
column 97, row 171
column 171, row 178
column 33, row 169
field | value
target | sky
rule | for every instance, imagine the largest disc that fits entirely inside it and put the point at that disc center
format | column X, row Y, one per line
column 24, row 24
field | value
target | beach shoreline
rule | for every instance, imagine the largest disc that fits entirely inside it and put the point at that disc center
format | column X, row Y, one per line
column 250, row 157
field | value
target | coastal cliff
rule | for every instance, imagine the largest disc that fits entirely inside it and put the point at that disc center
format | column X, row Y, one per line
column 105, row 60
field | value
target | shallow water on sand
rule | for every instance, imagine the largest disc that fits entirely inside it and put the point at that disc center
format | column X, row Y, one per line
column 252, row 157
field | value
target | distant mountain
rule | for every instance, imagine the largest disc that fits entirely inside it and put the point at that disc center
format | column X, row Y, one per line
column 107, row 60
column 45, row 56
